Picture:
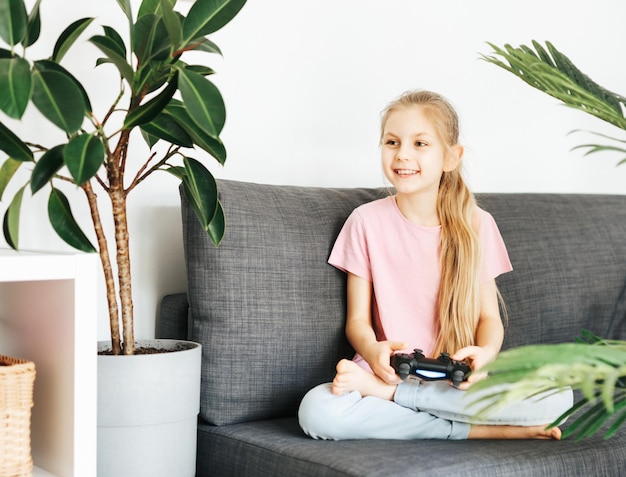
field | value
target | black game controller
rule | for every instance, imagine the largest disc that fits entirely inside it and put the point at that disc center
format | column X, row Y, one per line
column 416, row 364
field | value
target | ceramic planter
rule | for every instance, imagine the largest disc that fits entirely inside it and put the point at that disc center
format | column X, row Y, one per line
column 147, row 411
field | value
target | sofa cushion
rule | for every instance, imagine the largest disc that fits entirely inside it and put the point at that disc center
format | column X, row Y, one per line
column 267, row 308
column 569, row 265
column 278, row 448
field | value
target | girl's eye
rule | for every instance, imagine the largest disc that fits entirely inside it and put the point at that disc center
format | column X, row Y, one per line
column 420, row 144
column 391, row 142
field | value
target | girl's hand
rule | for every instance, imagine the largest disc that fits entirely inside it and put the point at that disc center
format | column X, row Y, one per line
column 476, row 357
column 378, row 356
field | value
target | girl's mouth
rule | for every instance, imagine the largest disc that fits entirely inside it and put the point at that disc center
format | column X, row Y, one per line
column 405, row 172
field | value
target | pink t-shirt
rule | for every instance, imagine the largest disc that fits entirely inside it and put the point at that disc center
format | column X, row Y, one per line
column 401, row 259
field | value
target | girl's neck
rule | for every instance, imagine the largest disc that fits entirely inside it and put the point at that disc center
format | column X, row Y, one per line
column 419, row 209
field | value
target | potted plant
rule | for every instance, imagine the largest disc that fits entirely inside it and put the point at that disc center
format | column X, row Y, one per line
column 162, row 101
column 593, row 365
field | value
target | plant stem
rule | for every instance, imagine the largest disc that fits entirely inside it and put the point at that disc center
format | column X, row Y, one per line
column 117, row 195
column 118, row 204
column 105, row 259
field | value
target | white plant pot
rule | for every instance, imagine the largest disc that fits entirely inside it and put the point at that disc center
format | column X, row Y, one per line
column 148, row 407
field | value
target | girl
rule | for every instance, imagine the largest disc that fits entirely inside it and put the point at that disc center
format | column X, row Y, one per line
column 421, row 268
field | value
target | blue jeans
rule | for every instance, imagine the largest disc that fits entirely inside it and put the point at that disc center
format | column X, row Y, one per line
column 420, row 410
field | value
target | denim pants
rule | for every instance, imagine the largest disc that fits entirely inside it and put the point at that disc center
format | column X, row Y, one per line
column 420, row 410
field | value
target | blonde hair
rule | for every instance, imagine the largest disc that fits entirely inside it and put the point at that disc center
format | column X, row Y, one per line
column 458, row 306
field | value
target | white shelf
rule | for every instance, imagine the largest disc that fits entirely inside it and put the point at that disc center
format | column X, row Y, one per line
column 48, row 314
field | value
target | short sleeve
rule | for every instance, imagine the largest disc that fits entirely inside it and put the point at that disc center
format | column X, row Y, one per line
column 350, row 252
column 495, row 258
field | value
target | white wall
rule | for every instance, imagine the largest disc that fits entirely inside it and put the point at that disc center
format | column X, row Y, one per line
column 304, row 82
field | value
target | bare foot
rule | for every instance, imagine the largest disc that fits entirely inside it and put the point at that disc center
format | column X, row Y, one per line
column 351, row 377
column 514, row 432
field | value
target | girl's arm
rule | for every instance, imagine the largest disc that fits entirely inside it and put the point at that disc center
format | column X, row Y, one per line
column 361, row 335
column 489, row 332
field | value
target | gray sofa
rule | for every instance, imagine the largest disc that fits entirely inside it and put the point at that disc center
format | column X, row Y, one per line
column 269, row 313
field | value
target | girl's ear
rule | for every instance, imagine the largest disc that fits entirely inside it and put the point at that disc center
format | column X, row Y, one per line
column 453, row 158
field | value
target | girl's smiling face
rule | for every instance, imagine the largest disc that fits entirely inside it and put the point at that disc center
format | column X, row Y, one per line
column 414, row 156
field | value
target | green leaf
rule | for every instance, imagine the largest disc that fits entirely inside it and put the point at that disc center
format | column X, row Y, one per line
column 206, row 45
column 7, row 171
column 15, row 86
column 126, row 8
column 217, row 226
column 68, row 37
column 213, row 146
column 151, row 41
column 47, row 65
column 200, row 190
column 208, row 16
column 84, row 155
column 14, row 146
column 34, row 26
column 201, row 69
column 150, row 110
column 203, row 102
column 13, row 21
column 153, row 6
column 167, row 128
column 46, row 167
column 117, row 39
column 59, row 99
column 11, row 222
column 111, row 49
column 64, row 223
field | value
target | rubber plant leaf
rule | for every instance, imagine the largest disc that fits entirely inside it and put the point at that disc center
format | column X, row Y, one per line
column 58, row 98
column 48, row 65
column 68, row 37
column 206, row 45
column 33, row 29
column 13, row 21
column 203, row 102
column 46, row 167
column 200, row 190
column 15, row 86
column 14, row 146
column 7, row 171
column 208, row 16
column 167, row 128
column 126, row 8
column 83, row 156
column 153, row 6
column 11, row 222
column 117, row 40
column 109, row 47
column 150, row 110
column 64, row 223
column 212, row 145
column 217, row 226
column 151, row 40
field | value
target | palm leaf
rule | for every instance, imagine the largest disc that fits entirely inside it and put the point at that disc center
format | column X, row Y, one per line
column 595, row 366
column 553, row 73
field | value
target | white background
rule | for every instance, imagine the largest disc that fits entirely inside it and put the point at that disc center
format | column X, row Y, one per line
column 304, row 82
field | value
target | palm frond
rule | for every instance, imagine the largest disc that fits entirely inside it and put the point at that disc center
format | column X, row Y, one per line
column 550, row 71
column 595, row 366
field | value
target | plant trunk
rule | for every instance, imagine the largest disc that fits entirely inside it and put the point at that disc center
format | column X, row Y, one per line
column 118, row 203
column 105, row 259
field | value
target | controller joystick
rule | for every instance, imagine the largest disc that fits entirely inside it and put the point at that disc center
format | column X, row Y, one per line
column 416, row 364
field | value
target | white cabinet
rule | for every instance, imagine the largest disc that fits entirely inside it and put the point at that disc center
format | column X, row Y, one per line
column 48, row 315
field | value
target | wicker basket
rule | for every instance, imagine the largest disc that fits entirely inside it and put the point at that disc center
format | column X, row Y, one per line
column 16, row 400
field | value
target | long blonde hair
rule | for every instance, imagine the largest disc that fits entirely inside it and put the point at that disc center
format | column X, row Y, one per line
column 458, row 306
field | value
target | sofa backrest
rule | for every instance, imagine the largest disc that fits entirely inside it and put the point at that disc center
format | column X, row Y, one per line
column 270, row 312
column 569, row 265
